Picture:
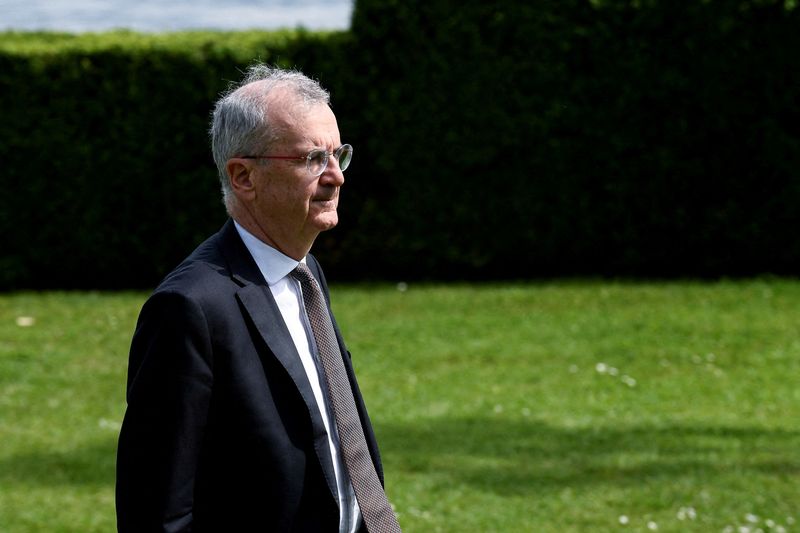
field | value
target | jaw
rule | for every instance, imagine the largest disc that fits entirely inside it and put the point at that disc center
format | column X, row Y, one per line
column 325, row 220
column 322, row 213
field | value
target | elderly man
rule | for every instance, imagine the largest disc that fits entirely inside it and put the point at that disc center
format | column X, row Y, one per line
column 243, row 410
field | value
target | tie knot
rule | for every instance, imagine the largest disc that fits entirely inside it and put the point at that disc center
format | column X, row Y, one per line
column 302, row 273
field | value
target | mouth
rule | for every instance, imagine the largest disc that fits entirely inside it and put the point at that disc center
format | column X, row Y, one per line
column 324, row 203
column 326, row 198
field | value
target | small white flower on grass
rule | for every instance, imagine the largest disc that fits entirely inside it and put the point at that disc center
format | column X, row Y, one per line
column 603, row 368
column 750, row 517
column 790, row 520
column 25, row 321
column 624, row 520
column 687, row 513
column 652, row 526
column 402, row 286
column 744, row 529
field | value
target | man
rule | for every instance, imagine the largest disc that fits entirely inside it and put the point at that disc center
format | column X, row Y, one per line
column 243, row 414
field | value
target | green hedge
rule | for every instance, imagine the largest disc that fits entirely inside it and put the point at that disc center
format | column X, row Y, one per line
column 493, row 139
column 107, row 174
column 645, row 138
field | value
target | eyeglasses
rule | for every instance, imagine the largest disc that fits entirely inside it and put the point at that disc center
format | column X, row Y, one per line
column 316, row 160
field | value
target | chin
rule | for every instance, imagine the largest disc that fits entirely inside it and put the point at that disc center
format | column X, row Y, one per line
column 327, row 221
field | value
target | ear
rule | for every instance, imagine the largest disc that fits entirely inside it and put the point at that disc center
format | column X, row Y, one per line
column 240, row 174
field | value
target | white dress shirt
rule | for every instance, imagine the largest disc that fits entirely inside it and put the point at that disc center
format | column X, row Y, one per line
column 275, row 267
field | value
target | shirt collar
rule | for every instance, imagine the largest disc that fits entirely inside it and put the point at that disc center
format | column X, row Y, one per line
column 274, row 265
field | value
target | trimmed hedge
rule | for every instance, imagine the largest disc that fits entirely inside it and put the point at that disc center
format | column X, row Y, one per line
column 497, row 139
column 638, row 138
column 107, row 174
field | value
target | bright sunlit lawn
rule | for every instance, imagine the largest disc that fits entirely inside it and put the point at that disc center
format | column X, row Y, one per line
column 563, row 406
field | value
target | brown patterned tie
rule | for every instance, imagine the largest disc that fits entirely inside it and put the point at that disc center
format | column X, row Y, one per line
column 375, row 507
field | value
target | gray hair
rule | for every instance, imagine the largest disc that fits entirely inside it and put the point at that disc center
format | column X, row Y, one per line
column 240, row 123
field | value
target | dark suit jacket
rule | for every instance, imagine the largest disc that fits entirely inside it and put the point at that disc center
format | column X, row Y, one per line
column 222, row 432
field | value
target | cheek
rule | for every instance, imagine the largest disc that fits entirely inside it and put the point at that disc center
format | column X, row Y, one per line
column 282, row 195
column 290, row 196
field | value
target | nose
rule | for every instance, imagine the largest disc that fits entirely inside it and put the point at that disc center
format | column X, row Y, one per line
column 332, row 175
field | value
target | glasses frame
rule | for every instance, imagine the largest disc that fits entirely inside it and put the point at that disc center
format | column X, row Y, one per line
column 309, row 156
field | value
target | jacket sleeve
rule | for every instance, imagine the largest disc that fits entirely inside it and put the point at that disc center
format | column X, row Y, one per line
column 169, row 388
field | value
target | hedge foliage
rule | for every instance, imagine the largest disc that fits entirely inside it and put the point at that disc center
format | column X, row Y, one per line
column 107, row 174
column 555, row 137
column 494, row 139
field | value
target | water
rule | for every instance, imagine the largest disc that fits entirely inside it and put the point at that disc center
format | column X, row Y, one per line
column 172, row 15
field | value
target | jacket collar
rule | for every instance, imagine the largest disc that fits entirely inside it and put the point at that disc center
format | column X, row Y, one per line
column 241, row 265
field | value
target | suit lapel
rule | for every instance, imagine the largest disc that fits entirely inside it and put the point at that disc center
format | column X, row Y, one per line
column 258, row 303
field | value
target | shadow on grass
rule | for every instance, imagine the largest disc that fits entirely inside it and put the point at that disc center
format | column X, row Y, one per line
column 510, row 457
column 91, row 465
column 507, row 457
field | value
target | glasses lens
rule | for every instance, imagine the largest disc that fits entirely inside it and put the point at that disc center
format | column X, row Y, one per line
column 344, row 154
column 317, row 161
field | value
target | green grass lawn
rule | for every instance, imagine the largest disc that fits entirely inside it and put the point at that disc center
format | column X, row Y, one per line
column 564, row 406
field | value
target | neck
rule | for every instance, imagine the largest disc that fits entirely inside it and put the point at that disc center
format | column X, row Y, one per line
column 297, row 249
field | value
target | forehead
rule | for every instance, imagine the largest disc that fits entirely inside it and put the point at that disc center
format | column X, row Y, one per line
column 298, row 123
